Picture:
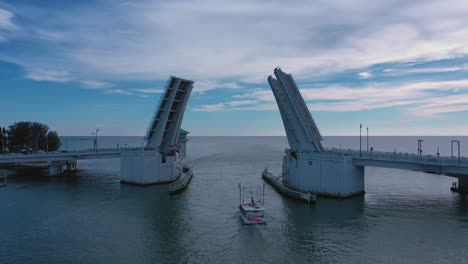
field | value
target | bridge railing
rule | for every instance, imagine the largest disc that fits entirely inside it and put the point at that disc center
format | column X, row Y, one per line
column 77, row 152
column 394, row 156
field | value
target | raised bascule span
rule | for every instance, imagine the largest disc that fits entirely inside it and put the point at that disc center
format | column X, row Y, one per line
column 163, row 131
column 301, row 130
column 163, row 164
column 160, row 161
column 309, row 168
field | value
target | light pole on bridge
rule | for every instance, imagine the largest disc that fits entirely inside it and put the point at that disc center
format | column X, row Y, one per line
column 367, row 128
column 360, row 140
column 420, row 141
column 451, row 149
column 95, row 134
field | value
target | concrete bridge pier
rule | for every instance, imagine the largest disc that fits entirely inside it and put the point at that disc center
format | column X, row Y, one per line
column 462, row 185
column 145, row 168
column 71, row 165
column 331, row 176
column 55, row 168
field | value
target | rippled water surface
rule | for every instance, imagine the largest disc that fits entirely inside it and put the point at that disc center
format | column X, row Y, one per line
column 404, row 217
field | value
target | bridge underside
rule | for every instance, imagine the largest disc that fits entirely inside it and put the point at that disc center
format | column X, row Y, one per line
column 449, row 170
column 459, row 172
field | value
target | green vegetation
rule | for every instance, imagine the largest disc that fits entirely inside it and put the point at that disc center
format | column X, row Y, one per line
column 27, row 137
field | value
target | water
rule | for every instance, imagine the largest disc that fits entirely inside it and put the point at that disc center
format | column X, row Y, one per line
column 405, row 216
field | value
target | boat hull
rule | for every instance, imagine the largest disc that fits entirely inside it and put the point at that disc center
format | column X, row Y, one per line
column 181, row 183
column 257, row 221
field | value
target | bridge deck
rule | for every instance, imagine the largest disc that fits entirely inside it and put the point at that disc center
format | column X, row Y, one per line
column 66, row 156
column 406, row 161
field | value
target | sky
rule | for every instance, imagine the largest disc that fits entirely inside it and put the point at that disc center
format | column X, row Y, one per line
column 398, row 67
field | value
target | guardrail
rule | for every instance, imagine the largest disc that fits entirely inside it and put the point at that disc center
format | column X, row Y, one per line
column 75, row 152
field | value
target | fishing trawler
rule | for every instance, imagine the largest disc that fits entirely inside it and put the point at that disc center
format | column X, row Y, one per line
column 252, row 211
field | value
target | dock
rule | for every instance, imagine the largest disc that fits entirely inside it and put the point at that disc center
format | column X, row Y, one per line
column 182, row 181
column 284, row 189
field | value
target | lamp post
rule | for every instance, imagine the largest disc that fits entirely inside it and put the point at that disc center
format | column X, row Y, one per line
column 420, row 147
column 95, row 134
column 97, row 131
column 360, row 140
column 451, row 149
column 367, row 128
column 94, row 141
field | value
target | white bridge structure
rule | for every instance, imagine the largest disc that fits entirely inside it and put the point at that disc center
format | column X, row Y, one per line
column 159, row 162
column 164, row 164
column 308, row 167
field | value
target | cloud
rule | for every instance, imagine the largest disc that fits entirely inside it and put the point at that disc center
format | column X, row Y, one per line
column 48, row 75
column 118, row 91
column 417, row 98
column 63, row 77
column 241, row 102
column 209, row 108
column 130, row 41
column 6, row 25
column 148, row 91
column 231, row 105
column 204, row 86
column 364, row 75
column 258, row 94
column 141, row 40
column 96, row 84
column 6, row 20
column 401, row 71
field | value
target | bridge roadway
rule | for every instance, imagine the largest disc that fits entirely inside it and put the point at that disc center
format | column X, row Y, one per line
column 9, row 159
column 407, row 161
column 451, row 166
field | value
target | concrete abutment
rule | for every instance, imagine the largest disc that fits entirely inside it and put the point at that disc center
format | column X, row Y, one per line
column 330, row 176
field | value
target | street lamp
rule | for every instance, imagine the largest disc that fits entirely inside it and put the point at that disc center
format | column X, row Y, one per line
column 367, row 128
column 451, row 149
column 420, row 141
column 95, row 134
column 97, row 131
column 360, row 140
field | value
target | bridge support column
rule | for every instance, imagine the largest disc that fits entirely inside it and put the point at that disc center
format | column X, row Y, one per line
column 144, row 168
column 462, row 185
column 55, row 168
column 71, row 166
column 325, row 175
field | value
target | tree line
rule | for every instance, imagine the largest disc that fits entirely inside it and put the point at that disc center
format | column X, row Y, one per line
column 28, row 137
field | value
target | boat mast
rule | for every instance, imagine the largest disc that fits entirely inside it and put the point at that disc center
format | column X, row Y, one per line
column 240, row 195
column 263, row 194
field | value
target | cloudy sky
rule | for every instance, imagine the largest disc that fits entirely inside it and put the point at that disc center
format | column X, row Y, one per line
column 399, row 67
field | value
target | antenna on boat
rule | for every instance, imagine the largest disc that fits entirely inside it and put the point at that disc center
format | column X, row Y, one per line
column 263, row 194
column 243, row 192
column 240, row 195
